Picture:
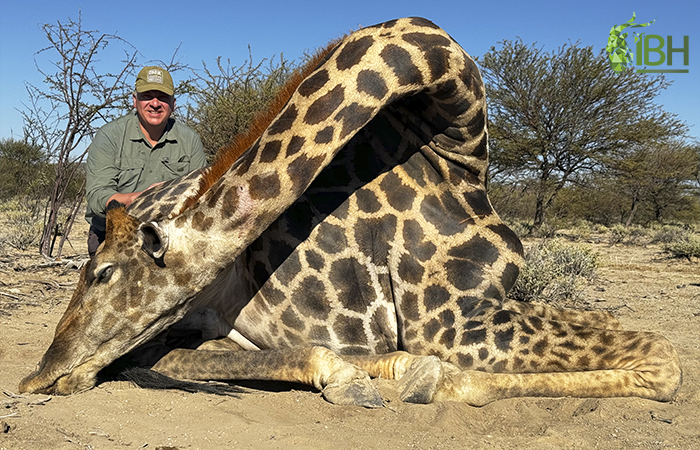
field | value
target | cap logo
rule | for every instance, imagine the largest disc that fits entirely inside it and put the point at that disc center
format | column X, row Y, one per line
column 154, row 76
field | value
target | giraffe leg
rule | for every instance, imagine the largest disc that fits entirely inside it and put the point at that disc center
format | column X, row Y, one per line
column 340, row 382
column 647, row 367
column 419, row 376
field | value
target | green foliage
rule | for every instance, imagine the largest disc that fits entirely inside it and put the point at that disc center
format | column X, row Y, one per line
column 632, row 235
column 618, row 233
column 684, row 248
column 24, row 169
column 224, row 102
column 20, row 227
column 554, row 271
column 555, row 116
column 668, row 234
column 654, row 181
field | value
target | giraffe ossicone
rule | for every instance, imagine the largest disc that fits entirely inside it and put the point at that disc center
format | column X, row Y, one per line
column 352, row 239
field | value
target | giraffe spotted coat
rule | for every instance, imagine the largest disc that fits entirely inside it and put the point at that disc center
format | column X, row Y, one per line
column 353, row 238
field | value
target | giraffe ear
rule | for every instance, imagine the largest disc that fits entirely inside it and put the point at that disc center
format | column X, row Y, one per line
column 154, row 240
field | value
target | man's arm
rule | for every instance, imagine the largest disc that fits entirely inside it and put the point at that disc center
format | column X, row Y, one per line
column 102, row 173
column 197, row 159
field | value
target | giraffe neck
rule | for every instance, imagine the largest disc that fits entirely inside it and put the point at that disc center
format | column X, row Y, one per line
column 325, row 112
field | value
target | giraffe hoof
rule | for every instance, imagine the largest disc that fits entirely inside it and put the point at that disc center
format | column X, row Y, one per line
column 356, row 389
column 421, row 380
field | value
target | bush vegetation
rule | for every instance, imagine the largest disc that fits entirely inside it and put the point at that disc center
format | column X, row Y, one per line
column 554, row 271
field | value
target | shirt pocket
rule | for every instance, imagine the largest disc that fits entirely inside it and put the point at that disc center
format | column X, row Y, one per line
column 129, row 174
column 178, row 168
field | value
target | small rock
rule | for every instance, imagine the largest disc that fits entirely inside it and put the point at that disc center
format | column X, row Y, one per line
column 5, row 427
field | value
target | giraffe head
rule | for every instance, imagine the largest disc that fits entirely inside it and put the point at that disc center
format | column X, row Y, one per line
column 123, row 299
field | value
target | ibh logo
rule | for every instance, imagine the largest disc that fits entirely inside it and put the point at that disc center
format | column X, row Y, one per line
column 622, row 58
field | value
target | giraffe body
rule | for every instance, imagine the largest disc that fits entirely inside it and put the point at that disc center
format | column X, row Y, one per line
column 353, row 238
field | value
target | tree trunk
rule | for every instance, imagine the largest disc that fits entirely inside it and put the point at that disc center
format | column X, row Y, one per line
column 71, row 219
column 632, row 212
column 539, row 215
column 47, row 232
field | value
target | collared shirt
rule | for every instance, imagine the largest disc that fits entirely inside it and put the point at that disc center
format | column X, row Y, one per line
column 121, row 160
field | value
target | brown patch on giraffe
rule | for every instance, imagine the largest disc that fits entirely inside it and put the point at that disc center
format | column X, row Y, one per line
column 399, row 195
column 331, row 238
column 310, row 298
column 353, row 116
column 314, row 83
column 295, row 144
column 410, row 270
column 421, row 22
column 437, row 57
column 367, row 201
column 465, row 361
column 292, row 320
column 200, row 222
column 352, row 52
column 434, row 297
column 473, row 337
column 448, row 338
column 270, row 151
column 409, row 306
column 323, row 107
column 303, row 169
column 350, row 330
column 183, row 278
column 314, row 260
column 324, row 136
column 230, row 203
column 431, row 329
column 351, row 281
column 399, row 60
column 118, row 303
column 284, row 122
column 264, row 187
column 483, row 354
column 371, row 83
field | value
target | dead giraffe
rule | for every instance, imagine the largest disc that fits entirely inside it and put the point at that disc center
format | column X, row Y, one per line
column 354, row 238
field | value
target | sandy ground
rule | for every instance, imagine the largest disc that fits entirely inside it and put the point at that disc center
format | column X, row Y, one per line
column 645, row 290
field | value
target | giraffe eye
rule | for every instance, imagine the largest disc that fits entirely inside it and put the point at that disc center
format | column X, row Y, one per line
column 104, row 275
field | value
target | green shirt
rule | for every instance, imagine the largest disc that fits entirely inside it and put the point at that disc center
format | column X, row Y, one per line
column 121, row 160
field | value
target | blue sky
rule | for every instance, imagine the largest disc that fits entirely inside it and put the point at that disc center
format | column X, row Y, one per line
column 206, row 29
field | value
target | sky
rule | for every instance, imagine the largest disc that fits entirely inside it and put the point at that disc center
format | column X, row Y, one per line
column 206, row 29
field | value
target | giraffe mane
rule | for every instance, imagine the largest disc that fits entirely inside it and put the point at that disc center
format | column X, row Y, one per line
column 228, row 154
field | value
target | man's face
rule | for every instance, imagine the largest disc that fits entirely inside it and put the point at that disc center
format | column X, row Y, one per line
column 154, row 107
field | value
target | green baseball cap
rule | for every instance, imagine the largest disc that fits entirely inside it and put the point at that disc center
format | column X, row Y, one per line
column 154, row 78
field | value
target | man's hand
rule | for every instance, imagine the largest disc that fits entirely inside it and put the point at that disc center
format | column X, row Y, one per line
column 128, row 198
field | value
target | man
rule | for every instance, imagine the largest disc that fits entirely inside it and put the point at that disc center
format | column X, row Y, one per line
column 138, row 151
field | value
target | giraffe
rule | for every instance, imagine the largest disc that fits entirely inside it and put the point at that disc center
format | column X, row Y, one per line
column 353, row 238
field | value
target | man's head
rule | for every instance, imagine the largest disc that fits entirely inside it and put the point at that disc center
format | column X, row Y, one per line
column 153, row 98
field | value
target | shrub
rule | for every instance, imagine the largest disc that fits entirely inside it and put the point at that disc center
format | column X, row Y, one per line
column 583, row 230
column 668, row 234
column 21, row 227
column 618, row 233
column 519, row 227
column 554, row 271
column 637, row 235
column 685, row 248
